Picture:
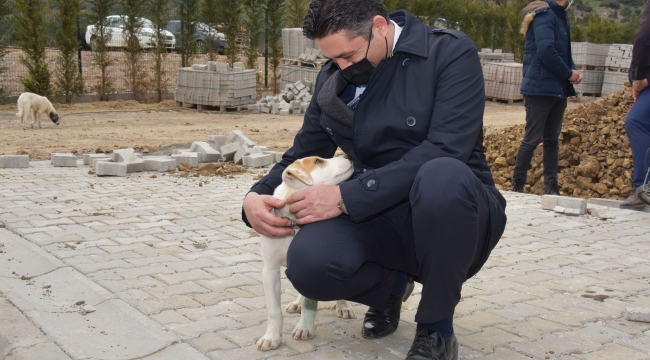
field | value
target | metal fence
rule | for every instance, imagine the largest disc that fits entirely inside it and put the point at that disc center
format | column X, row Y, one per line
column 15, row 70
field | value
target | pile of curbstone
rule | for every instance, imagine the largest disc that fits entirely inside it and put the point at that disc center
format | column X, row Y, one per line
column 294, row 100
column 235, row 147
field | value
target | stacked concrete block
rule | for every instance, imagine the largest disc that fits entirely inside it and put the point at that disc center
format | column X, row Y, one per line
column 619, row 56
column 237, row 136
column 495, row 56
column 312, row 56
column 95, row 160
column 291, row 74
column 189, row 158
column 205, row 152
column 217, row 141
column 160, row 164
column 228, row 151
column 14, row 161
column 222, row 86
column 258, row 160
column 592, row 82
column 88, row 157
column 110, row 168
column 294, row 43
column 588, row 54
column 613, row 82
column 293, row 100
column 63, row 159
column 503, row 81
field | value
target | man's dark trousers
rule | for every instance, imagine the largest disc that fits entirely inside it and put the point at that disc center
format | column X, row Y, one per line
column 439, row 235
column 544, row 116
column 637, row 126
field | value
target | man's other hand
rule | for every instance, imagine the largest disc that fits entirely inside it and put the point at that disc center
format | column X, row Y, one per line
column 638, row 86
column 317, row 203
column 258, row 212
column 576, row 77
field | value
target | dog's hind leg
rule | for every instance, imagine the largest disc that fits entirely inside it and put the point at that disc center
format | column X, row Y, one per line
column 344, row 309
column 34, row 117
column 305, row 327
column 271, row 279
column 294, row 306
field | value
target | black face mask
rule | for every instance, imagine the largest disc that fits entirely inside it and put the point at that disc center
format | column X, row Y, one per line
column 360, row 72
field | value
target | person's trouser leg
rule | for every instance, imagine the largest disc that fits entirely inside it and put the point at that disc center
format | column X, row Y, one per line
column 439, row 236
column 552, row 130
column 537, row 110
column 637, row 126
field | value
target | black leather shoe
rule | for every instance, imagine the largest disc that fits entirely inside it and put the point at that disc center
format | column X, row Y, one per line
column 379, row 323
column 518, row 185
column 551, row 188
column 433, row 347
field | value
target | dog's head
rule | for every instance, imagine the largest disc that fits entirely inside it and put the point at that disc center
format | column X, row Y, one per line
column 315, row 170
column 54, row 117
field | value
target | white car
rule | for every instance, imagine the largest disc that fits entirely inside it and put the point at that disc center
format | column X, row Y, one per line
column 115, row 24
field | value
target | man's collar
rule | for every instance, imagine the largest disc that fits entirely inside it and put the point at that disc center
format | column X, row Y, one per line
column 414, row 39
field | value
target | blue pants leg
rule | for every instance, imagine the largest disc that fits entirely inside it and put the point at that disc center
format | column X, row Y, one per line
column 637, row 126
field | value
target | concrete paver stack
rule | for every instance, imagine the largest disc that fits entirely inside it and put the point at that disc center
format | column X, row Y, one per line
column 590, row 59
column 617, row 66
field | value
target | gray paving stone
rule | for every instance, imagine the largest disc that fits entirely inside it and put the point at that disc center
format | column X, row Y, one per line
column 14, row 161
column 63, row 159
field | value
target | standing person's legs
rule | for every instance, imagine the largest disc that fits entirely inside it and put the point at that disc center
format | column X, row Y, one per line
column 552, row 130
column 537, row 110
column 637, row 126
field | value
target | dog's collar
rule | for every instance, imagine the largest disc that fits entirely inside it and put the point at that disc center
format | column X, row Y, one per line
column 277, row 213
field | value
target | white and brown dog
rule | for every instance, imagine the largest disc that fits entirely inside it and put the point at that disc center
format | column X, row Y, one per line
column 35, row 105
column 297, row 176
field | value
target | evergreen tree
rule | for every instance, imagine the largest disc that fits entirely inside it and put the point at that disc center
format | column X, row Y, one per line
column 274, row 25
column 136, row 77
column 231, row 13
column 160, row 15
column 4, row 9
column 29, row 25
column 253, row 13
column 296, row 11
column 189, row 15
column 68, row 80
column 98, row 10
column 210, row 13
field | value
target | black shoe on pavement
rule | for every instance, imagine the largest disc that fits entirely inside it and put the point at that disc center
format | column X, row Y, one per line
column 518, row 185
column 433, row 347
column 379, row 323
column 551, row 188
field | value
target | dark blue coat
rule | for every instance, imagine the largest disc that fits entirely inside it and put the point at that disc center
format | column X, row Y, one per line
column 547, row 54
column 425, row 102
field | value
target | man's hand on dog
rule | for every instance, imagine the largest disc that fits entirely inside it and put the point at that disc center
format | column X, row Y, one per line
column 258, row 212
column 315, row 204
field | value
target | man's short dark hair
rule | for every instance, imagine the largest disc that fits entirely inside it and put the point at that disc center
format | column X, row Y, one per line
column 351, row 17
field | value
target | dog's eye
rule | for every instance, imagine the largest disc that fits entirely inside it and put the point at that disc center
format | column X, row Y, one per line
column 318, row 161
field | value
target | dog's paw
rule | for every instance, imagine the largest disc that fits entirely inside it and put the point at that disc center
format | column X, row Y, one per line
column 301, row 332
column 268, row 342
column 294, row 307
column 345, row 312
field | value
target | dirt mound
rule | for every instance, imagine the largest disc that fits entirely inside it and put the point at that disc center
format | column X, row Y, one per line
column 595, row 155
column 212, row 169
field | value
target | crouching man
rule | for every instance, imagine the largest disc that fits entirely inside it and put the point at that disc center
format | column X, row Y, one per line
column 405, row 102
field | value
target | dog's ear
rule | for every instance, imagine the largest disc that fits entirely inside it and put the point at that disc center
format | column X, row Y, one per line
column 299, row 174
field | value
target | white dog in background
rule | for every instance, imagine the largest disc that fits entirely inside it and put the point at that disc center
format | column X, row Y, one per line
column 297, row 176
column 35, row 105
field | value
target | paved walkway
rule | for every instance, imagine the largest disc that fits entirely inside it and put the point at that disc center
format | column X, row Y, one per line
column 162, row 268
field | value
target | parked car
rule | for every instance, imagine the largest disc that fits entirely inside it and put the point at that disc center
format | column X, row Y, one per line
column 202, row 36
column 115, row 24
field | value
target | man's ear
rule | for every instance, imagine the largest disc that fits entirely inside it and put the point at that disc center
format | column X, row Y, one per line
column 299, row 174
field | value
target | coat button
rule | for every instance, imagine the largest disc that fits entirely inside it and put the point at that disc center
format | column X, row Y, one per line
column 329, row 131
column 410, row 121
column 364, row 170
column 406, row 62
column 370, row 183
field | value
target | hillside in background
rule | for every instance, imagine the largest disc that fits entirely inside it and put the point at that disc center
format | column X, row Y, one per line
column 617, row 10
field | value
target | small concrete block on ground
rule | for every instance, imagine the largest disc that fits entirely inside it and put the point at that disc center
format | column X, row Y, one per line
column 638, row 314
column 95, row 160
column 284, row 112
column 276, row 154
column 63, row 159
column 243, row 151
column 573, row 203
column 217, row 141
column 180, row 151
column 549, row 202
column 160, row 164
column 137, row 166
column 205, row 151
column 14, row 161
column 228, row 151
column 189, row 158
column 109, row 168
column 124, row 155
column 605, row 202
column 258, row 160
column 88, row 157
column 237, row 136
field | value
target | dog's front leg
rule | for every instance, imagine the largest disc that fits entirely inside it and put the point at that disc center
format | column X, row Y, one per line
column 295, row 306
column 271, row 279
column 305, row 327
